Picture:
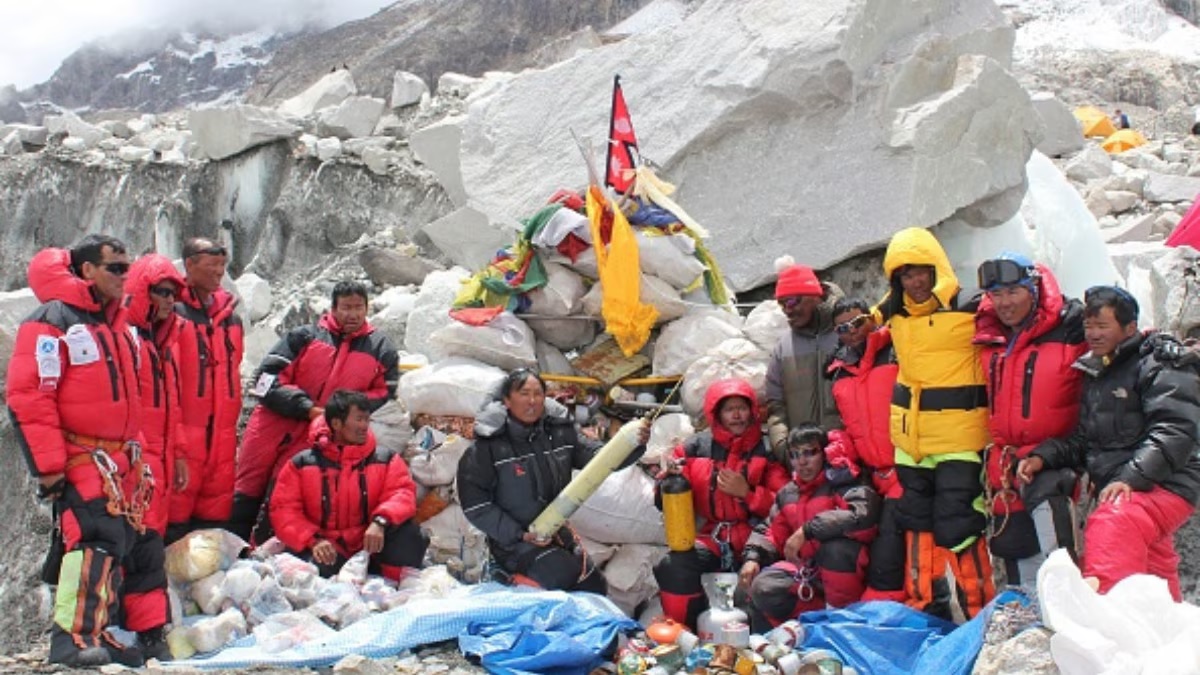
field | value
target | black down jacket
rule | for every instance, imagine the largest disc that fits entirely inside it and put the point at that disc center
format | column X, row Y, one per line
column 1137, row 423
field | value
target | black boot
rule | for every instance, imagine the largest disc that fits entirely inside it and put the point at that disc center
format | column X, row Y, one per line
column 153, row 644
column 943, row 596
column 130, row 657
column 75, row 651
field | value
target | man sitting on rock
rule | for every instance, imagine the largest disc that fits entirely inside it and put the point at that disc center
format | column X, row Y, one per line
column 343, row 495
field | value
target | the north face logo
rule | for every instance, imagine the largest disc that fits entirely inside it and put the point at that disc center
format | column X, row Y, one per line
column 518, row 470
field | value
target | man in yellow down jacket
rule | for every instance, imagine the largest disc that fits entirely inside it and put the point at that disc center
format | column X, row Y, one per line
column 938, row 421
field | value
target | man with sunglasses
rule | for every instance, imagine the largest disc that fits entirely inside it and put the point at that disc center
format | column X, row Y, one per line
column 210, row 360
column 1029, row 335
column 72, row 393
column 796, row 392
column 1136, row 436
column 938, row 421
column 863, row 372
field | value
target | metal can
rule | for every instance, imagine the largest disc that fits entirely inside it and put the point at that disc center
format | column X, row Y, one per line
column 724, row 657
column 668, row 656
column 736, row 633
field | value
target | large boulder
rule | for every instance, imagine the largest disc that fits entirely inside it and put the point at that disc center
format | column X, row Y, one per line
column 467, row 238
column 437, row 146
column 1061, row 134
column 70, row 124
column 228, row 130
column 1166, row 188
column 389, row 267
column 407, row 89
column 353, row 118
column 907, row 106
column 327, row 91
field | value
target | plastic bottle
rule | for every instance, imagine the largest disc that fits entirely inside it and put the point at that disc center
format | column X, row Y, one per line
column 679, row 516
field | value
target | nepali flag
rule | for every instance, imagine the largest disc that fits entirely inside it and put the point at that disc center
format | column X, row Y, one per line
column 622, row 144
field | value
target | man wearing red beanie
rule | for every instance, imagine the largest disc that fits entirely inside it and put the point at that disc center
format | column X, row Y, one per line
column 796, row 391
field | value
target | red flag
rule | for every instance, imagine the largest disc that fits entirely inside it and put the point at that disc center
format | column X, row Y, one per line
column 622, row 143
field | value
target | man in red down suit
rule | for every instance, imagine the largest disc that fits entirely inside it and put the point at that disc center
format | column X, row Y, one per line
column 344, row 495
column 73, row 396
column 734, row 478
column 210, row 359
column 297, row 377
column 151, row 289
column 863, row 370
column 817, row 543
column 1030, row 337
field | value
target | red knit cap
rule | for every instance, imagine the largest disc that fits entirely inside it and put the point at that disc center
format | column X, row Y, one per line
column 797, row 280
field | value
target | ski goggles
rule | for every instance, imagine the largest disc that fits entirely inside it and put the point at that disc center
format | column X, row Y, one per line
column 996, row 273
column 852, row 324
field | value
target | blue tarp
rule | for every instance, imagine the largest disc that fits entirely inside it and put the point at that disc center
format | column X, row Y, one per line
column 514, row 630
column 888, row 638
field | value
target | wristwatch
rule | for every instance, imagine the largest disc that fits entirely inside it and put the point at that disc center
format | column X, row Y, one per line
column 380, row 521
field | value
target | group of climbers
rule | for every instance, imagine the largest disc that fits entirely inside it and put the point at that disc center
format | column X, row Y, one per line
column 125, row 391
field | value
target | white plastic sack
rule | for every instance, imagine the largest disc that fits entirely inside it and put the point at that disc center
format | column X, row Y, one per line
column 765, row 324
column 431, row 309
column 682, row 342
column 455, row 543
column 584, row 263
column 670, row 258
column 433, row 457
column 202, row 552
column 630, row 575
column 550, row 359
column 1135, row 628
column 668, row 432
column 240, row 582
column 564, row 333
column 455, row 386
column 283, row 631
column 391, row 425
column 506, row 342
column 736, row 357
column 560, row 296
column 621, row 511
column 354, row 571
column 208, row 594
column 392, row 309
column 268, row 599
column 209, row 635
column 653, row 291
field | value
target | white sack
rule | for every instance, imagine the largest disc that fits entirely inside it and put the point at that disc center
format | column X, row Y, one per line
column 682, row 342
column 621, row 511
column 670, row 258
column 456, row 386
column 391, row 426
column 736, row 357
column 506, row 342
column 653, row 291
column 560, row 296
column 630, row 575
column 431, row 309
column 765, row 324
column 434, row 459
column 668, row 432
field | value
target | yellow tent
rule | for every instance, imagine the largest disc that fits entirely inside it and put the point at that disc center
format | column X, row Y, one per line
column 1094, row 121
column 1125, row 139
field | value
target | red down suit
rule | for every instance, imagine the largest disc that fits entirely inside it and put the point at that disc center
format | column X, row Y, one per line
column 839, row 520
column 332, row 492
column 72, row 392
column 1033, row 395
column 210, row 358
column 301, row 371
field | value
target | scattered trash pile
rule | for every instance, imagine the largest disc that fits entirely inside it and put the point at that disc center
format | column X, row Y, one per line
column 219, row 598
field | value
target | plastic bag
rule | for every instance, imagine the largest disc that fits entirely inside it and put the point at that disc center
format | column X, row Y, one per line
column 668, row 432
column 381, row 594
column 291, row 571
column 208, row 594
column 669, row 257
column 682, row 342
column 268, row 599
column 436, row 461
column 198, row 554
column 765, row 324
column 621, row 511
column 355, row 569
column 283, row 631
column 339, row 605
column 738, row 358
column 209, row 635
column 560, row 296
column 240, row 582
column 505, row 342
column 455, row 386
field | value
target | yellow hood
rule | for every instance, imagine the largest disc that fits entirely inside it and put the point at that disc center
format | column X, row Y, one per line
column 916, row 246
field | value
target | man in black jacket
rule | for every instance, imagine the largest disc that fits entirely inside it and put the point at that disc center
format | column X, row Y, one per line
column 1137, row 438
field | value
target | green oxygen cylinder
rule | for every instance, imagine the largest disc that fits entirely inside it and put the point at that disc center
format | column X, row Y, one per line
column 679, row 515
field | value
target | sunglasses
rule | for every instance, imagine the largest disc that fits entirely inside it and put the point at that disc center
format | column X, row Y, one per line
column 163, row 291
column 852, row 324
column 211, row 250
column 996, row 273
column 793, row 302
column 117, row 268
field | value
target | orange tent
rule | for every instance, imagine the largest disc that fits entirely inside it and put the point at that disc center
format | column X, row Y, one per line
column 1094, row 121
column 1125, row 139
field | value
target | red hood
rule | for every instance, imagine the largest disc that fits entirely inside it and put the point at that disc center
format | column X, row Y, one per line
column 990, row 330
column 51, row 278
column 329, row 323
column 145, row 272
column 321, row 437
column 723, row 389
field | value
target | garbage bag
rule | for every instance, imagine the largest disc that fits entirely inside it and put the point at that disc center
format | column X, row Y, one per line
column 209, row 635
column 208, row 594
column 682, row 342
column 433, row 457
column 339, row 605
column 736, row 357
column 455, row 386
column 241, row 581
column 282, row 631
column 354, row 571
column 505, row 342
column 621, row 511
column 765, row 324
column 268, row 599
column 198, row 554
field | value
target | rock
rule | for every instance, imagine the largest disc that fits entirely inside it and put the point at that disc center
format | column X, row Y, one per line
column 70, row 124
column 1165, row 223
column 386, row 267
column 407, row 89
column 330, row 90
column 111, row 144
column 141, row 124
column 1097, row 202
column 259, row 340
column 329, row 148
column 380, row 161
column 1120, row 201
column 656, row 15
column 11, row 144
column 356, row 664
column 1131, row 180
column 393, row 306
column 467, row 238
column 1091, row 163
column 162, row 139
column 1132, row 228
column 1028, row 653
column 117, row 128
column 1107, row 222
column 431, row 308
column 1139, row 159
column 28, row 134
column 1174, row 152
column 356, row 146
column 308, row 145
column 437, row 146
column 132, row 153
column 354, row 117
column 228, row 130
column 74, row 144
column 256, row 296
column 391, row 125
column 1165, row 188
column 457, row 84
column 919, row 109
column 1175, row 279
column 1061, row 134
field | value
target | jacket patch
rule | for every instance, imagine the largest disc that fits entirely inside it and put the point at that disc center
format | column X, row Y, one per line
column 1120, row 392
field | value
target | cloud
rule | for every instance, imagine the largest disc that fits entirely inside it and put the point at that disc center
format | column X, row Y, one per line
column 36, row 35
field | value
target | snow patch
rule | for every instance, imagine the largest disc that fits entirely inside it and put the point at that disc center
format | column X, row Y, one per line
column 1104, row 25
column 143, row 67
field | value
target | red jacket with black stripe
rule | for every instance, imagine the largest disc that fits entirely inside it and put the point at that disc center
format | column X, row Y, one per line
column 1033, row 390
column 332, row 492
column 862, row 388
column 301, row 371
column 88, row 380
